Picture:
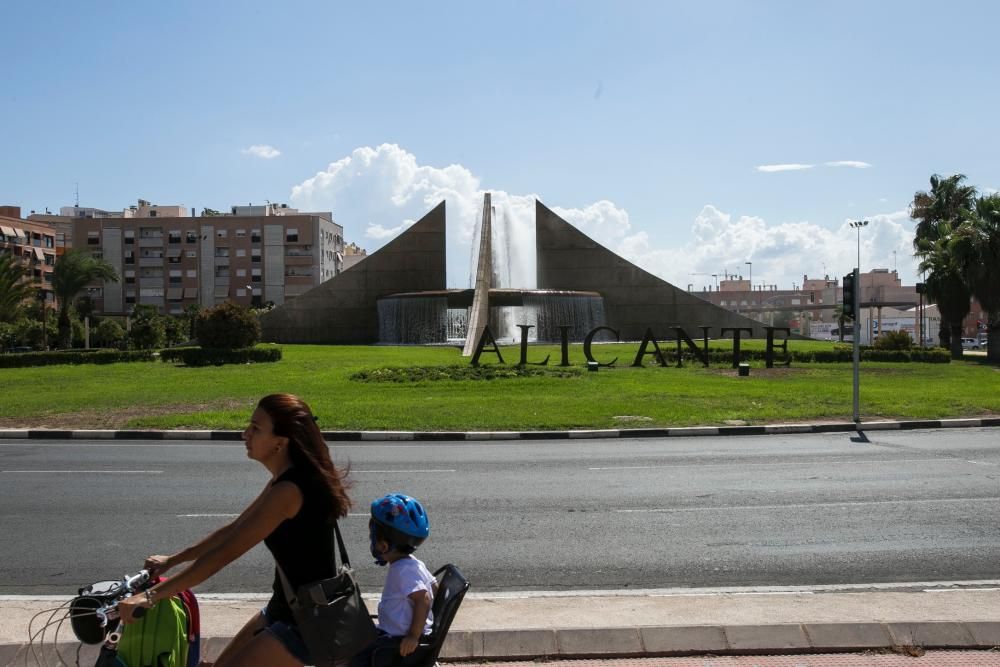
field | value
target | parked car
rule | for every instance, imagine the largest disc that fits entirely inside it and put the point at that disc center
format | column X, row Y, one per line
column 970, row 344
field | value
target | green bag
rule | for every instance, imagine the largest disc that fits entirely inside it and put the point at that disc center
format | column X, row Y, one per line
column 158, row 639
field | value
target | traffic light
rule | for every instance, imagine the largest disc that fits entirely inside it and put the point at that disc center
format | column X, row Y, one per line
column 850, row 307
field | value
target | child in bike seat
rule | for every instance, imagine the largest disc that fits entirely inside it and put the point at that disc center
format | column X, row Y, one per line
column 398, row 525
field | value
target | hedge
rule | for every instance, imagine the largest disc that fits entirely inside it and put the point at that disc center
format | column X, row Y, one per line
column 26, row 359
column 199, row 356
column 836, row 355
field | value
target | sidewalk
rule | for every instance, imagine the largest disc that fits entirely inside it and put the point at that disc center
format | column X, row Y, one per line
column 507, row 627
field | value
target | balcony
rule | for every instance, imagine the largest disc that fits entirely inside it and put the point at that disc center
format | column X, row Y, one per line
column 151, row 261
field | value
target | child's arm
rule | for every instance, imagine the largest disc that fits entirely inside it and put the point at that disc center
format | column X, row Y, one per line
column 421, row 607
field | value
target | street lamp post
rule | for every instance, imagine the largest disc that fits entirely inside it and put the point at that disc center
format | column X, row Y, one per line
column 857, row 224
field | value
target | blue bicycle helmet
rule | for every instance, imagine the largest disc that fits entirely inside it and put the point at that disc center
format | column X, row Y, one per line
column 401, row 520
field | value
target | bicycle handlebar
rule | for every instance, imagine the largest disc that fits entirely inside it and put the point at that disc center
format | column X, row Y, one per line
column 130, row 585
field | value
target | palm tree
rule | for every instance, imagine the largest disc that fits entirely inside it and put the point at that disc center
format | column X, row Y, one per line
column 948, row 201
column 838, row 314
column 938, row 212
column 14, row 289
column 946, row 285
column 73, row 271
column 976, row 246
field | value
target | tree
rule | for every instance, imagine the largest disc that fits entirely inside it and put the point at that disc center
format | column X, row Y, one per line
column 109, row 333
column 976, row 247
column 15, row 289
column 227, row 326
column 948, row 201
column 938, row 212
column 73, row 271
column 147, row 330
column 838, row 314
column 946, row 285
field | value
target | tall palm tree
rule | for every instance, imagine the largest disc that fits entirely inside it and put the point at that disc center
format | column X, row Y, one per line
column 73, row 271
column 946, row 284
column 976, row 246
column 948, row 201
column 14, row 288
column 938, row 212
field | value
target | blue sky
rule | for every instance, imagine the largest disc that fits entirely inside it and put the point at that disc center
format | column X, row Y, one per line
column 645, row 124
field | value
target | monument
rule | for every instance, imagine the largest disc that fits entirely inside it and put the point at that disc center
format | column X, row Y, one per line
column 398, row 294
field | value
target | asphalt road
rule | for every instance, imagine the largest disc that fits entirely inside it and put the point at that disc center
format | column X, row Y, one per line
column 912, row 506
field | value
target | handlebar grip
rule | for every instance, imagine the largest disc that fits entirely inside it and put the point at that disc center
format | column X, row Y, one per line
column 139, row 612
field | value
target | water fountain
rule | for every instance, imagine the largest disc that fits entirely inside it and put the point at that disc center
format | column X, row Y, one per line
column 458, row 316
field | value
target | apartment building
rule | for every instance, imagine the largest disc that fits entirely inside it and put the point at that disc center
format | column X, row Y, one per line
column 35, row 243
column 167, row 259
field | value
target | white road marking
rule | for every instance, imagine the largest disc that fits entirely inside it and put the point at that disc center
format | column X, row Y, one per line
column 205, row 516
column 408, row 472
column 849, row 503
column 796, row 463
column 87, row 472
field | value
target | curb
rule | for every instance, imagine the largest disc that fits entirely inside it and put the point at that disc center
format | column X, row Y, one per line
column 661, row 641
column 434, row 436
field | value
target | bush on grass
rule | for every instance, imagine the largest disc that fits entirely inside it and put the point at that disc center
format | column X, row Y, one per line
column 201, row 356
column 227, row 326
column 893, row 340
column 28, row 359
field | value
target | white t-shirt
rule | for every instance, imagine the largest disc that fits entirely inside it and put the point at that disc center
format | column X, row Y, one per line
column 395, row 609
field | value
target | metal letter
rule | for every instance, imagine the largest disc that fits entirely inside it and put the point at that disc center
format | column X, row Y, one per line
column 590, row 339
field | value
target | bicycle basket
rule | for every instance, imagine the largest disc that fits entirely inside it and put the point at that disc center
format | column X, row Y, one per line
column 84, row 621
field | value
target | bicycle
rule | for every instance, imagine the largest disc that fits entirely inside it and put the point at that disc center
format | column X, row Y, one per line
column 94, row 620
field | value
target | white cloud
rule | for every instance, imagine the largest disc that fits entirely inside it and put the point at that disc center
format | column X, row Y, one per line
column 770, row 168
column 262, row 151
column 376, row 193
column 854, row 164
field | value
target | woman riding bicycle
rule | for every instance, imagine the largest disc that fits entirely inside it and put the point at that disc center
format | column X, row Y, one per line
column 293, row 516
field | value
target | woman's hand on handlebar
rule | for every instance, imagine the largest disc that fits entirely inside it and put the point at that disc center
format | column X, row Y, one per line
column 157, row 565
column 127, row 607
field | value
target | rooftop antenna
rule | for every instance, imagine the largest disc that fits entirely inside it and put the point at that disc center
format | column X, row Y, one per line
column 77, row 194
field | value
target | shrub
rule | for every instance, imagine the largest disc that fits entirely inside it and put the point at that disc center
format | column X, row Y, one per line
column 147, row 333
column 227, row 326
column 108, row 333
column 73, row 357
column 893, row 340
column 200, row 356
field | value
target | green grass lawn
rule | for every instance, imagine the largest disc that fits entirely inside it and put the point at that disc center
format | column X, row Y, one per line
column 160, row 395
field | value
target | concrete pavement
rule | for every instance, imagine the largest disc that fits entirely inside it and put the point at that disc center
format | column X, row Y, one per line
column 506, row 627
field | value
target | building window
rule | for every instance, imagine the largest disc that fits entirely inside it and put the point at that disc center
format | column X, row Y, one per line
column 130, row 299
column 291, row 236
column 93, row 238
column 174, row 236
column 130, row 280
column 255, row 259
column 191, row 237
column 129, row 237
column 221, row 233
column 241, row 273
column 255, row 236
column 151, row 232
column 129, row 257
column 191, row 254
column 192, row 273
column 222, row 252
column 152, row 214
column 175, row 280
column 241, row 233
column 241, row 252
column 239, row 292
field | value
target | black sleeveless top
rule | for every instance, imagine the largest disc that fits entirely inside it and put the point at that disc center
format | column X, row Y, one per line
column 302, row 545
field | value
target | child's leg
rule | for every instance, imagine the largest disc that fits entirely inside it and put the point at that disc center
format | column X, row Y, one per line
column 385, row 651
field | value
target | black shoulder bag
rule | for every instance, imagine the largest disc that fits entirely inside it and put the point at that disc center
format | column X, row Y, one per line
column 329, row 613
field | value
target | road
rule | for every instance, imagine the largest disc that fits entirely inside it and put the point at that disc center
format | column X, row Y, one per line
column 825, row 509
